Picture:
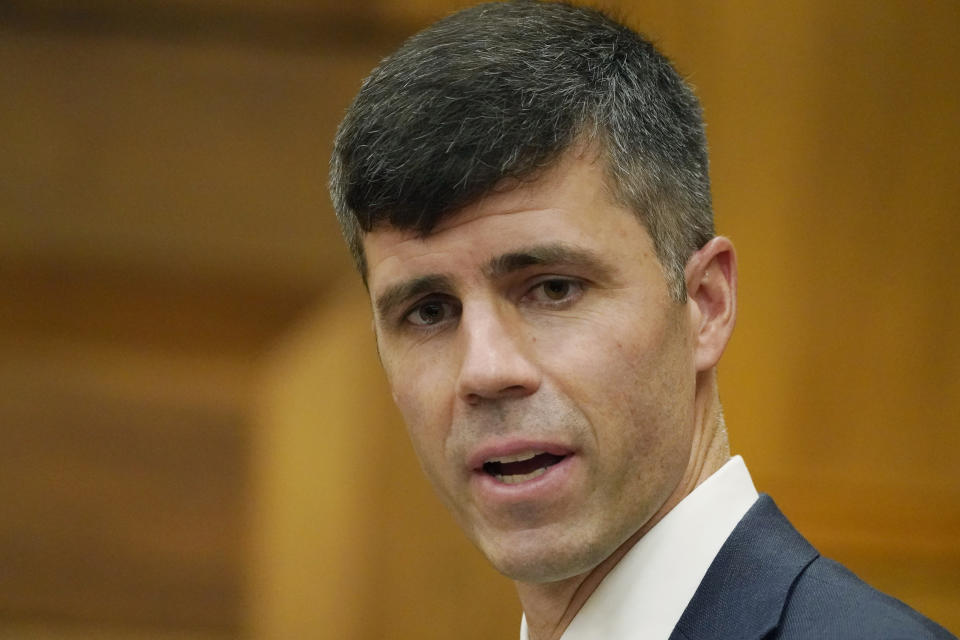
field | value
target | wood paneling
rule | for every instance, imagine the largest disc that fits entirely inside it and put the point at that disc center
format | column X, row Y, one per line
column 164, row 220
column 125, row 451
column 176, row 158
column 161, row 194
column 832, row 127
column 349, row 541
column 834, row 170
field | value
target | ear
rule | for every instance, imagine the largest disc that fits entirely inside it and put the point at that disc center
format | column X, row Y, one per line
column 711, row 277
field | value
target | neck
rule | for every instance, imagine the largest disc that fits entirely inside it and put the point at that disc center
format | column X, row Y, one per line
column 550, row 607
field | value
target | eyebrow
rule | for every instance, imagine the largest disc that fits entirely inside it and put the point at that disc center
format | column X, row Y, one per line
column 553, row 254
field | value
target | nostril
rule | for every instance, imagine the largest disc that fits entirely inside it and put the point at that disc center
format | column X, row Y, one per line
column 513, row 391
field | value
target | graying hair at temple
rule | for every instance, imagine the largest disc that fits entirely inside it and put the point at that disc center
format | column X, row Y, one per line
column 500, row 91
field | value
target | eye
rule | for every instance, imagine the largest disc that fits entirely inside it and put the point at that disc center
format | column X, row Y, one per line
column 431, row 312
column 556, row 290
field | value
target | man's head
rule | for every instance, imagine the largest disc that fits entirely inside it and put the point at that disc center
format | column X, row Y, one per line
column 525, row 188
column 499, row 92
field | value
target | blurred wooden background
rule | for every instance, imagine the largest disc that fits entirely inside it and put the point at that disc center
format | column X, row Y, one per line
column 195, row 441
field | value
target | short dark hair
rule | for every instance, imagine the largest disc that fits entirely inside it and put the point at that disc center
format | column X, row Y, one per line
column 502, row 90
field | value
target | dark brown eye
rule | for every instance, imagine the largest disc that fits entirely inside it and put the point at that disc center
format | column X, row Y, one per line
column 431, row 312
column 556, row 289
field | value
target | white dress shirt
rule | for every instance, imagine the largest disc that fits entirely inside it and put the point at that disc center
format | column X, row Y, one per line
column 645, row 594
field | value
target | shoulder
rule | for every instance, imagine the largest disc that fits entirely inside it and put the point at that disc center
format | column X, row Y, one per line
column 768, row 582
column 829, row 602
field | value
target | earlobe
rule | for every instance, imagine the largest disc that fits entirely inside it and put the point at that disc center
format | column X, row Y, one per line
column 711, row 278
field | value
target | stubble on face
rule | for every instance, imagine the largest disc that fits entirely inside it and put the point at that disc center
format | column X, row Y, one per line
column 547, row 416
column 616, row 380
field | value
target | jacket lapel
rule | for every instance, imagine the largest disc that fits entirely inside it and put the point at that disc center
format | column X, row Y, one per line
column 746, row 587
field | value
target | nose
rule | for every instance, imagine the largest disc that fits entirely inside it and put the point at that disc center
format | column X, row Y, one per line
column 497, row 360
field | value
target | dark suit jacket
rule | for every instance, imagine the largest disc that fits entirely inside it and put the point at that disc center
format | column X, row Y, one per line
column 768, row 582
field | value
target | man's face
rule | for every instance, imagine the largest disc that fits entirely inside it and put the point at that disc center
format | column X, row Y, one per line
column 545, row 374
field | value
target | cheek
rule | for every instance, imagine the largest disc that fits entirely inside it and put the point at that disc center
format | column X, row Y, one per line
column 638, row 382
column 423, row 402
column 416, row 406
column 594, row 358
column 411, row 377
column 424, row 430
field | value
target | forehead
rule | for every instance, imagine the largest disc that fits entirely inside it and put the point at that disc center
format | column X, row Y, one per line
column 569, row 204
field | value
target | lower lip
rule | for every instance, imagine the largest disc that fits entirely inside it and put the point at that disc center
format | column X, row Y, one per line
column 543, row 487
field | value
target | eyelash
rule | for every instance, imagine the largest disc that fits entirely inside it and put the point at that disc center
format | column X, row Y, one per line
column 575, row 289
column 452, row 308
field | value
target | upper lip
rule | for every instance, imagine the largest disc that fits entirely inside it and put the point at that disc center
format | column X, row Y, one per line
column 512, row 448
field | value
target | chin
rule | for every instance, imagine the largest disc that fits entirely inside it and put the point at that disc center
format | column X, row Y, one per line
column 539, row 562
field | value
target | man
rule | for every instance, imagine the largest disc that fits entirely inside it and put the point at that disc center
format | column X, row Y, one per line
column 524, row 188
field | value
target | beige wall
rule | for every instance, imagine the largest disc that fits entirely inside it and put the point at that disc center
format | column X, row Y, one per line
column 196, row 439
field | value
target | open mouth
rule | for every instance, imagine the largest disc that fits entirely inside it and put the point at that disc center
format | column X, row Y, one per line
column 521, row 467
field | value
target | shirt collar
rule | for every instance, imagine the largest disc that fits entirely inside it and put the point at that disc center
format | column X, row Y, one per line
column 646, row 593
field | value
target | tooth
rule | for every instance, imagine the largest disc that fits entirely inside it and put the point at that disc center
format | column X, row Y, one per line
column 517, row 457
column 521, row 477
